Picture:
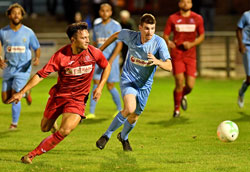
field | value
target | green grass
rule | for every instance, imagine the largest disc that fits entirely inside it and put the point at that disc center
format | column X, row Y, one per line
column 160, row 143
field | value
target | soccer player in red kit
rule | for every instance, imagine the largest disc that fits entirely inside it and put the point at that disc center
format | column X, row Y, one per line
column 188, row 31
column 75, row 65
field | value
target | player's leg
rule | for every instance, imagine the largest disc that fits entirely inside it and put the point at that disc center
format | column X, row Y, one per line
column 141, row 100
column 129, row 108
column 92, row 101
column 189, row 85
column 179, row 81
column 190, row 75
column 246, row 83
column 115, row 95
column 120, row 118
column 69, row 123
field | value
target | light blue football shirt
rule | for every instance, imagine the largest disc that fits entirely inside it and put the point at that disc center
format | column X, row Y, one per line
column 17, row 45
column 102, row 32
column 244, row 24
column 136, row 68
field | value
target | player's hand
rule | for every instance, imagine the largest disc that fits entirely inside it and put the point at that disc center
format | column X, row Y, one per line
column 242, row 49
column 187, row 45
column 97, row 94
column 15, row 98
column 171, row 44
column 3, row 64
column 153, row 60
column 36, row 61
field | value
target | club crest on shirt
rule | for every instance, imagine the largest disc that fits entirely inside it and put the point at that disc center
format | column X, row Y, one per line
column 79, row 70
column 140, row 62
column 24, row 39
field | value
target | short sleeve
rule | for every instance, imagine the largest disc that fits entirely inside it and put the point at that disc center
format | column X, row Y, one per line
column 100, row 59
column 242, row 21
column 34, row 43
column 200, row 25
column 163, row 50
column 51, row 66
column 168, row 27
column 124, row 36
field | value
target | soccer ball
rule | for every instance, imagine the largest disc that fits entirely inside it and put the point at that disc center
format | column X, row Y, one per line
column 227, row 131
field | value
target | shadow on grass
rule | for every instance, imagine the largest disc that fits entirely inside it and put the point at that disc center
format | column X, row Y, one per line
column 244, row 117
column 124, row 161
column 173, row 121
column 93, row 121
column 6, row 133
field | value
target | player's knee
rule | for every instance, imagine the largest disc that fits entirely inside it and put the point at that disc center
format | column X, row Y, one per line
column 64, row 132
column 132, row 118
column 110, row 86
column 45, row 128
column 127, row 111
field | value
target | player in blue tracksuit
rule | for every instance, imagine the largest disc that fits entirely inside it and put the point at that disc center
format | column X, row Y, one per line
column 146, row 51
column 101, row 32
column 16, row 40
column 243, row 37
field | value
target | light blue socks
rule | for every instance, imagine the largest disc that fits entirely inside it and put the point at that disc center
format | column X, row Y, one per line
column 116, row 98
column 115, row 124
column 126, row 129
column 16, row 109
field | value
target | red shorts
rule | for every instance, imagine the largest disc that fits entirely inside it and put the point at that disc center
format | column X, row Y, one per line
column 184, row 65
column 59, row 105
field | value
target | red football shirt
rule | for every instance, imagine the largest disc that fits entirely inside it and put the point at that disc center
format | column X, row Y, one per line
column 75, row 72
column 184, row 29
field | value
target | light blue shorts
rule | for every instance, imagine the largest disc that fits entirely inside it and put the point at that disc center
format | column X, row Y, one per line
column 246, row 60
column 141, row 94
column 114, row 75
column 13, row 79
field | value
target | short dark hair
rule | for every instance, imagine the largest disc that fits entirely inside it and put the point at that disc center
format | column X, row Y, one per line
column 15, row 5
column 147, row 18
column 74, row 27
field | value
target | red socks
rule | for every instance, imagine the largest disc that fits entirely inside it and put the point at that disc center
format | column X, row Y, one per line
column 177, row 100
column 47, row 144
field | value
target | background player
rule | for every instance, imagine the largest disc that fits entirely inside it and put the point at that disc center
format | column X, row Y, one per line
column 17, row 40
column 243, row 37
column 185, row 25
column 101, row 32
column 75, row 64
column 146, row 52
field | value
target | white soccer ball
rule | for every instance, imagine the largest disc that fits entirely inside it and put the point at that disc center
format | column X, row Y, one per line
column 227, row 131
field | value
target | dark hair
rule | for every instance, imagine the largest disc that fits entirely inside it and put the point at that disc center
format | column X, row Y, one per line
column 74, row 27
column 15, row 5
column 147, row 18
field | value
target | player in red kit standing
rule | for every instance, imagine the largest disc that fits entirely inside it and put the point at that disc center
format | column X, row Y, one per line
column 75, row 65
column 188, row 32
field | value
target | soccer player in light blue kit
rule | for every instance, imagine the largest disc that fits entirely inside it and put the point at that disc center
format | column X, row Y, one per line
column 101, row 32
column 16, row 41
column 146, row 51
column 243, row 37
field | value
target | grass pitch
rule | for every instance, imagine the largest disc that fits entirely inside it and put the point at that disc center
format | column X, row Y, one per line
column 159, row 142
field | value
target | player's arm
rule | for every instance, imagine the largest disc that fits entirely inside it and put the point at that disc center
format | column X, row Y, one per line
column 170, row 43
column 32, row 82
column 187, row 45
column 242, row 47
column 2, row 61
column 116, row 51
column 165, row 65
column 94, row 43
column 109, row 41
column 98, row 91
column 36, row 60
